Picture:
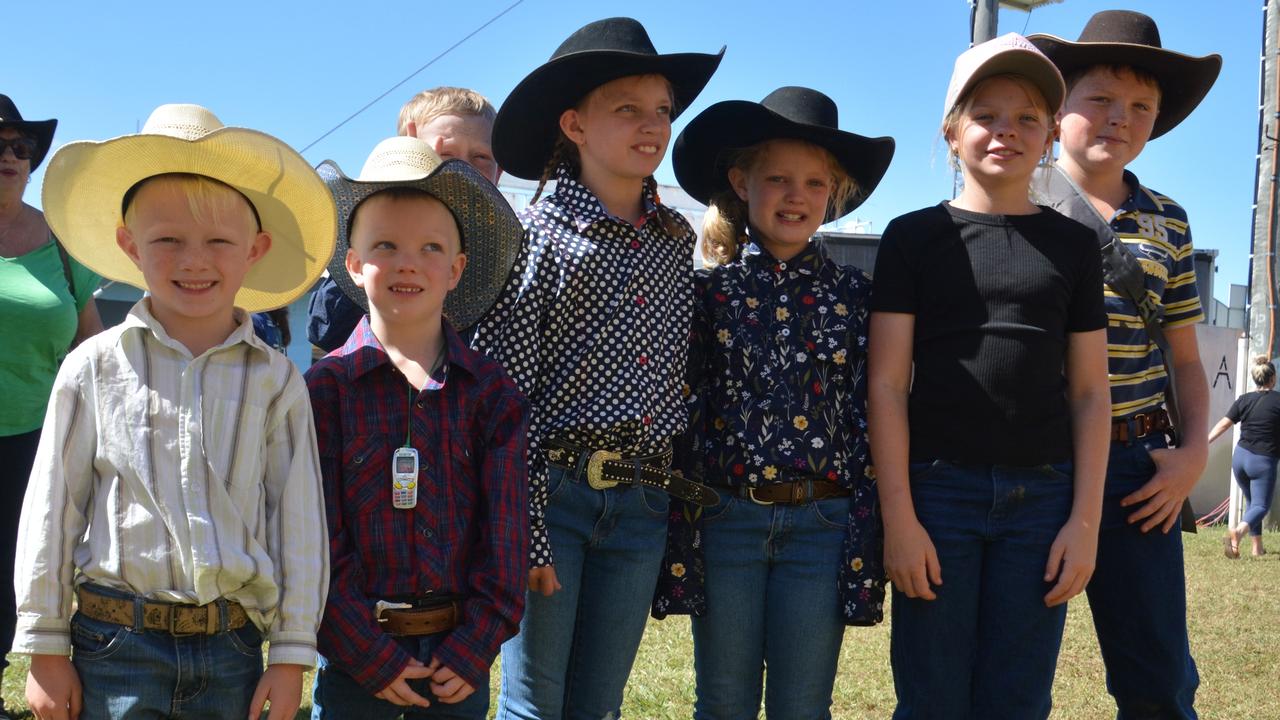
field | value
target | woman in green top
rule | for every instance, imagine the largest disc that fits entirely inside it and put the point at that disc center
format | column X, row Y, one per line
column 45, row 310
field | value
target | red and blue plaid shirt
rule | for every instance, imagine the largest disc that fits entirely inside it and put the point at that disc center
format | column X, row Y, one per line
column 468, row 534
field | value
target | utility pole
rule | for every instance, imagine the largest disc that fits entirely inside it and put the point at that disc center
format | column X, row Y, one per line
column 1262, row 263
column 985, row 19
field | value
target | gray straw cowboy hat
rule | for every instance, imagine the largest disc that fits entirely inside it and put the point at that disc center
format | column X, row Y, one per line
column 1124, row 37
column 491, row 233
column 41, row 130
column 528, row 123
column 797, row 113
column 86, row 183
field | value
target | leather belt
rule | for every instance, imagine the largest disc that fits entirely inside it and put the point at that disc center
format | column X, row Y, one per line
column 795, row 492
column 172, row 618
column 606, row 469
column 1140, row 425
column 409, row 622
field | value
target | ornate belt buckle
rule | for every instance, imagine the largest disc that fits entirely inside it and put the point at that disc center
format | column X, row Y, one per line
column 595, row 469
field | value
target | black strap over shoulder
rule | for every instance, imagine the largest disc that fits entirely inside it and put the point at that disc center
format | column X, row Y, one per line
column 66, row 266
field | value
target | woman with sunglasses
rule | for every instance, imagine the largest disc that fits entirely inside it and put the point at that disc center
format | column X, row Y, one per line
column 45, row 310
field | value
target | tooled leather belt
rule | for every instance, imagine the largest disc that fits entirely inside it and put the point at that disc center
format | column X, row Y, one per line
column 606, row 469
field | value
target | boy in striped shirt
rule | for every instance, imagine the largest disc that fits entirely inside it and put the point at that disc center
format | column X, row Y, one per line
column 174, row 517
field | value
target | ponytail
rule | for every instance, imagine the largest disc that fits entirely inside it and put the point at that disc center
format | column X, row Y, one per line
column 1263, row 372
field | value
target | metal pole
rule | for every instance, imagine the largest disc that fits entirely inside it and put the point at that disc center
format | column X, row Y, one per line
column 985, row 18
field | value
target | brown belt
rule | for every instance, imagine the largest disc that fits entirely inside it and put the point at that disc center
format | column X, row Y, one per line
column 1140, row 425
column 408, row 622
column 796, row 492
column 172, row 618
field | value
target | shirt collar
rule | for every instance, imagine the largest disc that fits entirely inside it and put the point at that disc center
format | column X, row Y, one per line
column 586, row 208
column 141, row 319
column 807, row 261
column 367, row 354
column 1140, row 198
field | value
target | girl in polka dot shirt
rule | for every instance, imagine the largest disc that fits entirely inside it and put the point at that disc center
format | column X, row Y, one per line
column 778, row 406
column 593, row 327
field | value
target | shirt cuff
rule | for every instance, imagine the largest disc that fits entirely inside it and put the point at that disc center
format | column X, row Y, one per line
column 32, row 639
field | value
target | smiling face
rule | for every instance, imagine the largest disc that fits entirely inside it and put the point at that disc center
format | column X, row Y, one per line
column 787, row 189
column 1107, row 119
column 406, row 256
column 1000, row 133
column 194, row 240
column 622, row 128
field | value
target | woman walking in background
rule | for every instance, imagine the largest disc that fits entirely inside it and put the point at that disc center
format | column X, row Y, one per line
column 1254, row 461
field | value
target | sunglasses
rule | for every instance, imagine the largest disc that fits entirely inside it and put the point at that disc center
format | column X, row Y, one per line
column 23, row 147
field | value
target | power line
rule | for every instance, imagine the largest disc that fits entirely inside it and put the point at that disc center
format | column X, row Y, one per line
column 411, row 75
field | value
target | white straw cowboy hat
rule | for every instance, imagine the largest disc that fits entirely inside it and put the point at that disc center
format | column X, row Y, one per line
column 86, row 183
column 490, row 231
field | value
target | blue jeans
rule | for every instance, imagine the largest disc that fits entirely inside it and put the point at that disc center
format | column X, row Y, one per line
column 127, row 674
column 1256, row 476
column 1139, row 600
column 987, row 647
column 772, row 599
column 337, row 696
column 575, row 649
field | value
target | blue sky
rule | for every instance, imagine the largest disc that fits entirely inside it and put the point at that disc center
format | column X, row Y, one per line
column 297, row 69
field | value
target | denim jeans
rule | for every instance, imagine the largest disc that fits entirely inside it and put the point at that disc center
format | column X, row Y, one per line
column 1256, row 476
column 575, row 649
column 127, row 674
column 337, row 696
column 1139, row 600
column 772, row 600
column 987, row 647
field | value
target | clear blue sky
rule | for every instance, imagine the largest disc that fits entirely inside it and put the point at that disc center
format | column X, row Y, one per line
column 297, row 69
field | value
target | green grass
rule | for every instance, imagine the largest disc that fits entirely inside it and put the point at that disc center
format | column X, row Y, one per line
column 1235, row 633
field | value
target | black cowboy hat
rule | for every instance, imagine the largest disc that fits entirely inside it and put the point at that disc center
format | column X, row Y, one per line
column 528, row 124
column 798, row 113
column 41, row 130
column 1124, row 37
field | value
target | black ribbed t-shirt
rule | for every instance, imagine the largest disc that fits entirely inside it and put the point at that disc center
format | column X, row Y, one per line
column 994, row 297
column 1258, row 413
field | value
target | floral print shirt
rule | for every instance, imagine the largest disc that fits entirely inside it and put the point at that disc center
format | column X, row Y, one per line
column 777, row 392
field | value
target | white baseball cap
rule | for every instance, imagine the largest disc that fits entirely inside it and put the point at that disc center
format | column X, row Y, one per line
column 1008, row 54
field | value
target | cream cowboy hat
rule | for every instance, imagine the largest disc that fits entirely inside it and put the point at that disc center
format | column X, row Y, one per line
column 490, row 231
column 86, row 182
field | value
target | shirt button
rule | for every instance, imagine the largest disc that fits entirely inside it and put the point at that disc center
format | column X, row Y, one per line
column 635, row 244
column 426, row 533
column 782, row 266
column 640, row 300
column 643, row 359
column 419, row 403
column 647, row 420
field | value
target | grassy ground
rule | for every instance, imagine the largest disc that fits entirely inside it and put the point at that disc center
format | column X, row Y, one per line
column 1235, row 636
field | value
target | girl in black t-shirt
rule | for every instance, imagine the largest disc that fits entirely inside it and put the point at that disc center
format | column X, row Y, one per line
column 989, row 407
column 1256, row 455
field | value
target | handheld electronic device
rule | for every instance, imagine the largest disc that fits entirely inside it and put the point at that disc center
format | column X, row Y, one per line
column 404, row 478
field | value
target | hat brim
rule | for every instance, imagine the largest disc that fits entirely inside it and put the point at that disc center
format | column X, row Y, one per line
column 86, row 182
column 41, row 130
column 1184, row 80
column 699, row 156
column 491, row 233
column 528, row 123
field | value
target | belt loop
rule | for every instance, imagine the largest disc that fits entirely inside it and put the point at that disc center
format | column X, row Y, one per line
column 580, row 467
column 637, row 467
column 224, row 616
column 139, row 613
column 1130, row 431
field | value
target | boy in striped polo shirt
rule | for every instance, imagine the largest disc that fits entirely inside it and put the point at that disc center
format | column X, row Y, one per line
column 1123, row 89
column 174, row 517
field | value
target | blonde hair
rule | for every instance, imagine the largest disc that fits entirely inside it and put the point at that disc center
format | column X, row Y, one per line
column 724, row 226
column 1263, row 372
column 204, row 195
column 951, row 123
column 566, row 153
column 431, row 104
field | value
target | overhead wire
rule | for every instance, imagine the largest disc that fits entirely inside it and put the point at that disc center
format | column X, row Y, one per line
column 411, row 75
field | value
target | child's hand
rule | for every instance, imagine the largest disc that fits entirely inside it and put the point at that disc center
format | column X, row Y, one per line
column 399, row 692
column 280, row 685
column 1071, row 560
column 911, row 560
column 53, row 688
column 447, row 686
column 1177, row 471
column 543, row 580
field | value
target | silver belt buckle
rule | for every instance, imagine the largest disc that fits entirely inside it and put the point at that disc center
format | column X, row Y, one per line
column 595, row 469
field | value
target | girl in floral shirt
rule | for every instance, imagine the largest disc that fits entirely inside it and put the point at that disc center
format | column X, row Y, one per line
column 779, row 407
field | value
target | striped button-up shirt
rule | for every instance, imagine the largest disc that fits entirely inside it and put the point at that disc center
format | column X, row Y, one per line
column 179, row 478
